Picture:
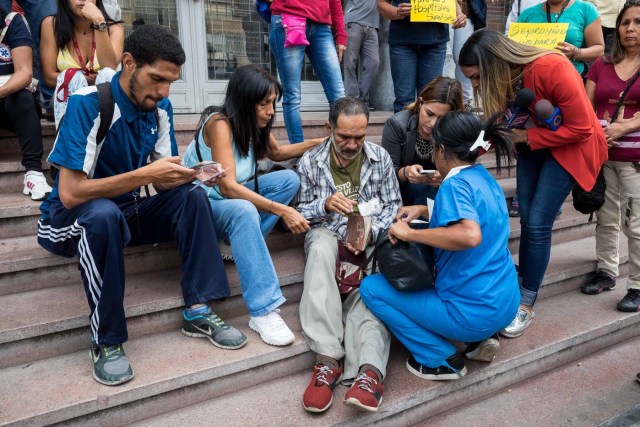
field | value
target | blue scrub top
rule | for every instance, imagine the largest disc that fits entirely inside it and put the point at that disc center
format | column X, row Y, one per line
column 478, row 285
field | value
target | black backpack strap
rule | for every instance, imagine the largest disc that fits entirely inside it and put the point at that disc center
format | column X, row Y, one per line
column 107, row 106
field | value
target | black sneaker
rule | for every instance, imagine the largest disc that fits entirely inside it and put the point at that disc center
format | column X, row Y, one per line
column 602, row 282
column 454, row 371
column 631, row 301
column 484, row 351
column 110, row 364
column 638, row 377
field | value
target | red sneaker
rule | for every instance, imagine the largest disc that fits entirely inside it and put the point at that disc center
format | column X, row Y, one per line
column 365, row 392
column 319, row 393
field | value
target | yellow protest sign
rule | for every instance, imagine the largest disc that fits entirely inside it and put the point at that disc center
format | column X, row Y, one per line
column 546, row 36
column 433, row 11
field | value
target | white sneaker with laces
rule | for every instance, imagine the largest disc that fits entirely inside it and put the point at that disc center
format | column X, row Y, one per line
column 272, row 328
column 35, row 185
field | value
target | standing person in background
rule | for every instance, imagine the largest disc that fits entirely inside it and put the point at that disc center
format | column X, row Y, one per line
column 583, row 41
column 322, row 17
column 18, row 107
column 362, row 20
column 416, row 49
column 607, row 79
column 550, row 162
column 608, row 10
column 35, row 11
column 516, row 8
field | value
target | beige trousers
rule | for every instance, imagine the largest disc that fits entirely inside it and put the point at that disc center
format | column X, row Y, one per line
column 334, row 328
column 621, row 209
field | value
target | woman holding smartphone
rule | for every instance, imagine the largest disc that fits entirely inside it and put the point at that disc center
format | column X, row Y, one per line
column 245, row 207
column 407, row 138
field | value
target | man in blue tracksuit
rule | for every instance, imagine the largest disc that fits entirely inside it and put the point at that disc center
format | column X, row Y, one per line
column 95, row 209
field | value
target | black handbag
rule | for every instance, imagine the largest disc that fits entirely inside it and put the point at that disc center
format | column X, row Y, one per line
column 408, row 266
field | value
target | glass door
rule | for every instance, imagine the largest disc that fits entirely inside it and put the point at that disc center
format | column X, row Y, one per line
column 218, row 37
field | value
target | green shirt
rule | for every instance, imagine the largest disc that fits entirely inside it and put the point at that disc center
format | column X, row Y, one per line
column 347, row 179
column 579, row 15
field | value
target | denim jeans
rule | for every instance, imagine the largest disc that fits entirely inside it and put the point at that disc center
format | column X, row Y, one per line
column 416, row 194
column 246, row 228
column 324, row 59
column 362, row 46
column 543, row 186
column 457, row 39
column 35, row 11
column 412, row 67
column 424, row 323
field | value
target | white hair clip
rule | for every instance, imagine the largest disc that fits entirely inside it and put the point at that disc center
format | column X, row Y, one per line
column 480, row 143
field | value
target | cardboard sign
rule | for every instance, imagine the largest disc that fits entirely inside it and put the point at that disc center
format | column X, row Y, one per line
column 546, row 36
column 433, row 11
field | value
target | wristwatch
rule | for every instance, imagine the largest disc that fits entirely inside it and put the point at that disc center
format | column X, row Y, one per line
column 101, row 26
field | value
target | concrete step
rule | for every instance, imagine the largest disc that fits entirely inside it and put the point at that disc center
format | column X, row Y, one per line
column 583, row 393
column 185, row 125
column 567, row 329
column 62, row 388
column 55, row 320
column 25, row 266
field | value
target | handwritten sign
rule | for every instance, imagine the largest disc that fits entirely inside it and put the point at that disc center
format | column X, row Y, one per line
column 545, row 36
column 433, row 11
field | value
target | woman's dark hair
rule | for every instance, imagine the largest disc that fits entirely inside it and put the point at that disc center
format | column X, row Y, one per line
column 444, row 90
column 248, row 86
column 457, row 131
column 617, row 51
column 63, row 22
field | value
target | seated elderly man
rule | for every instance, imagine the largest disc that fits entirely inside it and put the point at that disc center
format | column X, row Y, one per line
column 336, row 177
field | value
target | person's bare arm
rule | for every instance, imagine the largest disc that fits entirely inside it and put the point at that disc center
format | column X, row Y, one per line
column 75, row 188
column 279, row 153
column 593, row 41
column 109, row 44
column 22, row 66
column 48, row 52
column 392, row 12
column 462, row 235
column 217, row 135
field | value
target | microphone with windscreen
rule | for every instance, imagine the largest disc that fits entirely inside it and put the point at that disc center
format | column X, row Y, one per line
column 518, row 112
column 548, row 115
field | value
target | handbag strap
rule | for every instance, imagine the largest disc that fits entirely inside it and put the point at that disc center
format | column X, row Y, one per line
column 624, row 94
column 373, row 255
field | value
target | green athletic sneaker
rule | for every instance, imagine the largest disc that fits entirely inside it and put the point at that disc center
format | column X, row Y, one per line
column 210, row 326
column 110, row 364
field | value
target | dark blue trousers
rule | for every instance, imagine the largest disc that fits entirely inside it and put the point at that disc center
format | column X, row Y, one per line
column 98, row 231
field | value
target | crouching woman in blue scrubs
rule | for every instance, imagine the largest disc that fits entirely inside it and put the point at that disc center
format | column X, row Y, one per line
column 476, row 288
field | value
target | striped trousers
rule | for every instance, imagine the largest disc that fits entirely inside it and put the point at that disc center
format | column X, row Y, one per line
column 99, row 230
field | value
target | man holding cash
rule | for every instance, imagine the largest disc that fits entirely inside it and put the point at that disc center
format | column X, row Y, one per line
column 341, row 177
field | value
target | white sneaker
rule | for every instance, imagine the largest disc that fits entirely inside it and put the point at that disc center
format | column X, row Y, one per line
column 272, row 328
column 35, row 185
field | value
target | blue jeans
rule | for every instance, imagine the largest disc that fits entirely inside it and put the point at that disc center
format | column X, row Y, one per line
column 246, row 228
column 416, row 194
column 412, row 67
column 324, row 59
column 543, row 186
column 35, row 11
column 423, row 322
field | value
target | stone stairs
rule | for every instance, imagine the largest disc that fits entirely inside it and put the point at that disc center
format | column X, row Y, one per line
column 45, row 371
